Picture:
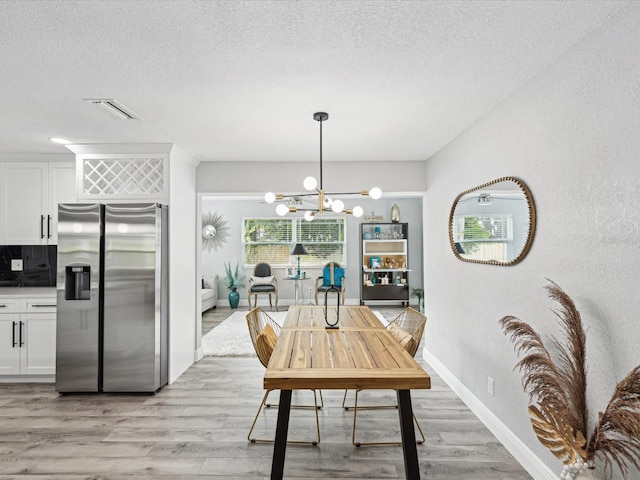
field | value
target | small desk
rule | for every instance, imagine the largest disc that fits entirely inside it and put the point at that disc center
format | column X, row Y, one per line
column 298, row 285
column 360, row 354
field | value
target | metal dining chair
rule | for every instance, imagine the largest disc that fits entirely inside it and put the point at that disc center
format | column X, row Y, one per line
column 407, row 328
column 264, row 332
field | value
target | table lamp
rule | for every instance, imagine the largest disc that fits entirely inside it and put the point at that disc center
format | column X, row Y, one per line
column 299, row 250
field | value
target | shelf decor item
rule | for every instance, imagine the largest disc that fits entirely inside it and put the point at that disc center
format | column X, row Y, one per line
column 556, row 385
column 395, row 213
column 319, row 201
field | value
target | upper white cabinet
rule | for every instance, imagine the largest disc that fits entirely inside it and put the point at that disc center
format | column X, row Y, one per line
column 62, row 189
column 29, row 197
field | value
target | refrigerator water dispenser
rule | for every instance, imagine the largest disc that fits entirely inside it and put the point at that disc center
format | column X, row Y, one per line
column 77, row 282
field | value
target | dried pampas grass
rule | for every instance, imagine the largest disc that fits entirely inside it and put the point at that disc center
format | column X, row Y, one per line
column 557, row 384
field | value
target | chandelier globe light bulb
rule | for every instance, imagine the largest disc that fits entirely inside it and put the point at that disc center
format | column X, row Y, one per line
column 282, row 209
column 310, row 183
column 375, row 193
column 309, row 216
column 338, row 206
column 269, row 197
column 357, row 211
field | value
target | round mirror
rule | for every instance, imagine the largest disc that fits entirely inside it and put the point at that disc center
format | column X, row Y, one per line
column 214, row 231
column 209, row 231
column 493, row 223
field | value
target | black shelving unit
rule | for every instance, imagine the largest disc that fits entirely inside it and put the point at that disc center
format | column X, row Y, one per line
column 384, row 254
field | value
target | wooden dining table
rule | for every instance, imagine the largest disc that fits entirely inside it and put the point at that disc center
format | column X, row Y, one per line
column 360, row 354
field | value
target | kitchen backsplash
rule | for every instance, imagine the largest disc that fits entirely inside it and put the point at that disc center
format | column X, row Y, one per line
column 28, row 265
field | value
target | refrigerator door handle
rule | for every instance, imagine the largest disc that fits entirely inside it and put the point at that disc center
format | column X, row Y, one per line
column 14, row 336
column 21, row 339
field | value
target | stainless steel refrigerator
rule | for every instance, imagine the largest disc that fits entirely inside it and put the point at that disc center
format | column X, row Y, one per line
column 112, row 287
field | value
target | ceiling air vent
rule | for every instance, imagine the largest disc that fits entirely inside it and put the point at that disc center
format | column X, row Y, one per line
column 113, row 108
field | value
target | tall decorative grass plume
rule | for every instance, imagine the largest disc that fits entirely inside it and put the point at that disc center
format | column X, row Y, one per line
column 556, row 383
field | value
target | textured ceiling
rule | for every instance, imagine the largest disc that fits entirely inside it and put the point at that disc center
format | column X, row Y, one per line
column 239, row 80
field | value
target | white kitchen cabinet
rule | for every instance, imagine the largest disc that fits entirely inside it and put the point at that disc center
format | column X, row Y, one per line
column 38, row 354
column 27, row 336
column 29, row 197
column 62, row 189
column 23, row 203
column 9, row 351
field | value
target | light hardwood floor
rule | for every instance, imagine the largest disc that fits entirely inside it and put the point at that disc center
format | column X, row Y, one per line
column 196, row 428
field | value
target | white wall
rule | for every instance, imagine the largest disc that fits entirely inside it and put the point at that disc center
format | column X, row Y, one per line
column 572, row 134
column 234, row 210
column 287, row 177
column 183, row 285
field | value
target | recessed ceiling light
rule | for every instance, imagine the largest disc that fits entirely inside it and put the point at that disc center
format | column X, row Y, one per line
column 61, row 141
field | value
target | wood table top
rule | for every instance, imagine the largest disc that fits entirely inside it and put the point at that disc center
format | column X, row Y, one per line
column 361, row 354
column 312, row 317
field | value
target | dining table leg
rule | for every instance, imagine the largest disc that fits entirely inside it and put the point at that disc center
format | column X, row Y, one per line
column 282, row 428
column 411, row 467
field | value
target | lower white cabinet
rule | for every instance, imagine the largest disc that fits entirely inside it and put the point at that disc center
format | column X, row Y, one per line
column 27, row 336
column 9, row 349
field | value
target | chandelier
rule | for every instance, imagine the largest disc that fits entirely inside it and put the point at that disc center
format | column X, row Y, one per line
column 318, row 201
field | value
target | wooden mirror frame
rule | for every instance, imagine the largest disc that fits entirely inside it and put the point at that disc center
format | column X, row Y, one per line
column 531, row 224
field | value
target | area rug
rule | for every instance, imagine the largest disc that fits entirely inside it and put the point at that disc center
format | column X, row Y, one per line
column 231, row 338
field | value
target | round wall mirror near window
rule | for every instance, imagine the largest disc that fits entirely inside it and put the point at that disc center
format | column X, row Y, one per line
column 493, row 223
column 214, row 231
column 208, row 231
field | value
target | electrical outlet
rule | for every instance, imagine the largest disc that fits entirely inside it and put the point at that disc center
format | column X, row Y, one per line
column 16, row 264
column 490, row 386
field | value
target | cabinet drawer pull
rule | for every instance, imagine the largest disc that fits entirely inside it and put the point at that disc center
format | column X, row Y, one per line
column 3, row 306
column 41, row 226
column 14, row 343
column 21, row 339
column 48, row 226
column 42, row 305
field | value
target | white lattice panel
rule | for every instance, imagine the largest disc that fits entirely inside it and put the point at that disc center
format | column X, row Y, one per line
column 124, row 177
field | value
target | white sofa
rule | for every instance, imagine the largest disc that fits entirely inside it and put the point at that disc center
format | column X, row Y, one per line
column 209, row 291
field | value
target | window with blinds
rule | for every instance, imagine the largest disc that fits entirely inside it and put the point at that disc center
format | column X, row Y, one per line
column 484, row 236
column 272, row 239
column 323, row 238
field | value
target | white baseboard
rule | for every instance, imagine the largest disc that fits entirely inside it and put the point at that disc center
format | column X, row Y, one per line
column 523, row 454
column 198, row 354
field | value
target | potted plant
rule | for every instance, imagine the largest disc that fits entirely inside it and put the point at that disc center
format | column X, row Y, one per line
column 419, row 292
column 233, row 281
column 557, row 383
